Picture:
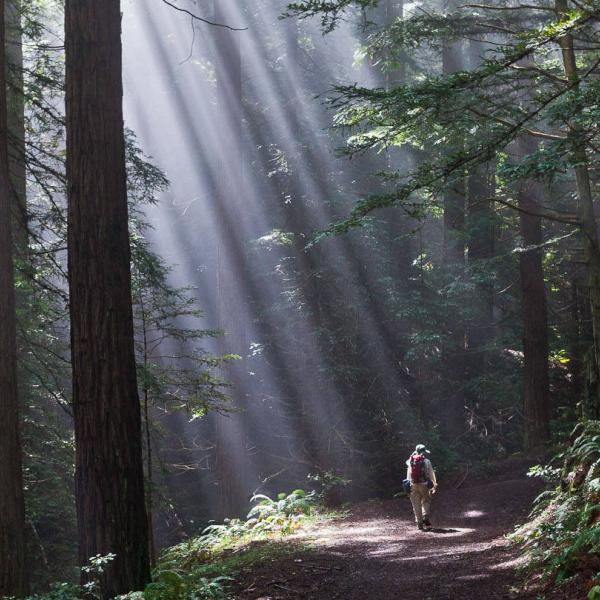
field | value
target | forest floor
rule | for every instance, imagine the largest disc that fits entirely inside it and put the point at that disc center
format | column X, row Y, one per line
column 377, row 553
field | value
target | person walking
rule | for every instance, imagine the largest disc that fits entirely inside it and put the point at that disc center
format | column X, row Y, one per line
column 423, row 485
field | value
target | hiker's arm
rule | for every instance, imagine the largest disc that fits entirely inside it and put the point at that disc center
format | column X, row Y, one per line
column 431, row 474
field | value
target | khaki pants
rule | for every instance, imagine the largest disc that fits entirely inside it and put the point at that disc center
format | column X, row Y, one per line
column 420, row 498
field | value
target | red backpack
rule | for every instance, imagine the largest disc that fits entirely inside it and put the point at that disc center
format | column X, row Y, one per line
column 417, row 469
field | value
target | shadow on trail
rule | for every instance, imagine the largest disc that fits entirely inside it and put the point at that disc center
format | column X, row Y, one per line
column 441, row 530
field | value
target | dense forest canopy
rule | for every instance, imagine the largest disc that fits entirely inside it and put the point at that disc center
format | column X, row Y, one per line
column 253, row 246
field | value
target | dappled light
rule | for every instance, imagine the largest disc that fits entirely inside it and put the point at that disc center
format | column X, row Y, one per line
column 473, row 514
column 215, row 126
column 300, row 300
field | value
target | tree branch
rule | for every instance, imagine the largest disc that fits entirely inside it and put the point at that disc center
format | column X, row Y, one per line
column 532, row 132
column 520, row 7
column 544, row 213
column 202, row 19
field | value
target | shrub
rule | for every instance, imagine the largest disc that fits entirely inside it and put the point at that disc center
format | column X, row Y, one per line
column 192, row 571
column 186, row 571
column 564, row 538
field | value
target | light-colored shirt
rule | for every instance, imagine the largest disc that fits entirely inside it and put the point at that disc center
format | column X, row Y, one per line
column 429, row 472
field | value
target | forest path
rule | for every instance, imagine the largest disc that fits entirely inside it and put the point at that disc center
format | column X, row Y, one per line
column 377, row 553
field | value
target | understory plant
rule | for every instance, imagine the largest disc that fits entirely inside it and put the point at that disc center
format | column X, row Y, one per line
column 199, row 569
column 196, row 569
column 563, row 538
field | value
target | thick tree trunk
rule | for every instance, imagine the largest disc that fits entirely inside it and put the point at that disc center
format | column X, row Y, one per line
column 109, row 471
column 480, row 240
column 535, row 320
column 12, row 505
column 16, row 122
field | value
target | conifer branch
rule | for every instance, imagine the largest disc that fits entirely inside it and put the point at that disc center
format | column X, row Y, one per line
column 196, row 17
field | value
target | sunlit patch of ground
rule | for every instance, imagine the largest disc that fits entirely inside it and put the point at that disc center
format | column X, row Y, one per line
column 473, row 514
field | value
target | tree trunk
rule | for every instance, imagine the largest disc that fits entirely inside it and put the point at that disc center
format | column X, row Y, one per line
column 12, row 504
column 230, row 460
column 535, row 320
column 480, row 240
column 581, row 338
column 109, row 475
column 147, row 434
column 452, row 412
column 16, row 123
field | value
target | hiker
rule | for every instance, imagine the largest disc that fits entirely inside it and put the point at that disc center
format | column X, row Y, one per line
column 423, row 485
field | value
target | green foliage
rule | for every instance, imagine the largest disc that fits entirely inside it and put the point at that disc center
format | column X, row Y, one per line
column 174, row 585
column 330, row 11
column 547, row 473
column 267, row 518
column 284, row 514
column 586, row 447
column 402, row 307
column 167, row 584
column 456, row 116
column 174, row 370
column 93, row 572
column 565, row 535
column 328, row 483
column 201, row 568
column 59, row 591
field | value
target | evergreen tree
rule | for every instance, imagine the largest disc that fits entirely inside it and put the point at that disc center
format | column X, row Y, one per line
column 109, row 473
column 486, row 107
column 13, row 568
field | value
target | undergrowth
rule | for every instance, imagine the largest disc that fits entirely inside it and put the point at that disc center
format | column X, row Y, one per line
column 203, row 567
column 563, row 537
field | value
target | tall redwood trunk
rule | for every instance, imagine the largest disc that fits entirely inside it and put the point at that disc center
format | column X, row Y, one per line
column 16, row 122
column 12, row 504
column 109, row 473
column 231, row 281
column 535, row 321
column 480, row 238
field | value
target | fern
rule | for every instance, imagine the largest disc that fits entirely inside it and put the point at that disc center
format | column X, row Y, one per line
column 567, row 534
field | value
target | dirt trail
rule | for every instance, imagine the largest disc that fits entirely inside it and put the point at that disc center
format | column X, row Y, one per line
column 378, row 554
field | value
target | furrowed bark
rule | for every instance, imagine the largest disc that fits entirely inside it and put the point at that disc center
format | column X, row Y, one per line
column 13, row 579
column 16, row 123
column 480, row 240
column 109, row 470
column 536, row 390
